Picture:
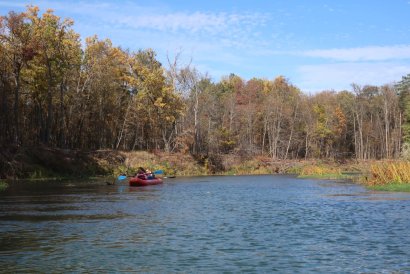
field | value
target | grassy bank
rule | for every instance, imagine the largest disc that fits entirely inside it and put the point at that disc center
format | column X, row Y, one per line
column 327, row 176
column 328, row 170
column 171, row 163
column 39, row 163
column 187, row 165
column 374, row 175
column 391, row 187
column 320, row 172
column 42, row 162
column 388, row 176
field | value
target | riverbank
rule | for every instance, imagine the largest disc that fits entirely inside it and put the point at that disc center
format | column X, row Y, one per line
column 393, row 187
column 43, row 162
column 40, row 163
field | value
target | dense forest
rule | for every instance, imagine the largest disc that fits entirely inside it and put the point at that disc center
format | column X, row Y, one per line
column 61, row 92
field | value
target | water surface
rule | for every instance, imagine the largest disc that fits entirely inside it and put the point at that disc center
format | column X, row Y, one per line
column 204, row 224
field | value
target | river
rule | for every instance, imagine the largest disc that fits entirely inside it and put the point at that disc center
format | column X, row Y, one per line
column 204, row 224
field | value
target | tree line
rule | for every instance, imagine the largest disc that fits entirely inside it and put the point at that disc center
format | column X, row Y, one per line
column 58, row 92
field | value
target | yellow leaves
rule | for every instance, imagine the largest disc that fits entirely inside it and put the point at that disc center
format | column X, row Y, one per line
column 118, row 54
column 322, row 129
column 68, row 22
column 33, row 11
column 280, row 82
column 91, row 40
column 267, row 85
column 169, row 118
column 159, row 103
column 102, row 59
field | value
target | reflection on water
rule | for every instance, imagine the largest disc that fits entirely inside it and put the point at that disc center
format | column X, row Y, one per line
column 212, row 224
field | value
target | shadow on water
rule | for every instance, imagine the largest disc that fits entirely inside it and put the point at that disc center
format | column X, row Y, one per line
column 374, row 196
column 61, row 217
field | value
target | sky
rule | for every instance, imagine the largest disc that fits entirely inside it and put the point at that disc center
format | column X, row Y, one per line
column 317, row 44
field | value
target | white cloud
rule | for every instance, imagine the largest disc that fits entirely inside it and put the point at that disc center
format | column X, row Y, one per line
column 192, row 22
column 72, row 7
column 340, row 76
column 12, row 4
column 373, row 53
column 375, row 65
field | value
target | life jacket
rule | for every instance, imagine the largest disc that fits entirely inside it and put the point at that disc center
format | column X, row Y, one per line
column 142, row 176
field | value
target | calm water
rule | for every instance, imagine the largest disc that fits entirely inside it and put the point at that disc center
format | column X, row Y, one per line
column 204, row 224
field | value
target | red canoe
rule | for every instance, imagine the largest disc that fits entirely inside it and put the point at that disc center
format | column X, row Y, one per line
column 135, row 181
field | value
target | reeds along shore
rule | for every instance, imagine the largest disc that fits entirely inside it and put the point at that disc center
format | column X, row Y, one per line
column 386, row 175
column 397, row 172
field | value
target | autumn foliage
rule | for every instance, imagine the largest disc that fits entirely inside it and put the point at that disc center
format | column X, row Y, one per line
column 55, row 92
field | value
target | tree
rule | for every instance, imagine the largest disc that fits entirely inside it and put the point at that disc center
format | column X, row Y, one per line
column 157, row 97
column 279, row 112
column 17, row 48
column 57, row 55
column 101, row 95
column 403, row 91
column 248, row 99
column 55, row 92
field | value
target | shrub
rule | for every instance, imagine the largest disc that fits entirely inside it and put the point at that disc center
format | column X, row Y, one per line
column 3, row 185
column 388, row 173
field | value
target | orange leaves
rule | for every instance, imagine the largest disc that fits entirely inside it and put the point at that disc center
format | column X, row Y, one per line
column 341, row 125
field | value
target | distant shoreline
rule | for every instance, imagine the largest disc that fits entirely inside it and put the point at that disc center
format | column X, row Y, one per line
column 42, row 163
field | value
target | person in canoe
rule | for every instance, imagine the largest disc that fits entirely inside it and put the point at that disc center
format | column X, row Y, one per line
column 145, row 178
column 141, row 173
column 145, row 174
column 149, row 174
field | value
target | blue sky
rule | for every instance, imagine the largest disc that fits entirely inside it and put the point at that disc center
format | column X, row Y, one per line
column 318, row 45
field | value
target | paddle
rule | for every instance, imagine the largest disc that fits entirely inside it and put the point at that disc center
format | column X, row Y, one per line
column 121, row 177
column 158, row 171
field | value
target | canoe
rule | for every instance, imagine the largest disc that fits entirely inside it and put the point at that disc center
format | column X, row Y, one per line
column 135, row 181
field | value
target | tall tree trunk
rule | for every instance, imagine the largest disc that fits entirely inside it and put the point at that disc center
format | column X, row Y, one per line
column 386, row 126
column 49, row 118
column 265, row 125
column 61, row 138
column 120, row 135
column 196, row 147
column 291, row 130
column 17, row 137
column 306, row 145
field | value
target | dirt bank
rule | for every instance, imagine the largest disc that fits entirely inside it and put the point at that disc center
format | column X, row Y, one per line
column 45, row 162
column 18, row 162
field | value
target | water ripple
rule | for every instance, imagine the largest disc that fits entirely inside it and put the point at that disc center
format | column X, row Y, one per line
column 200, row 225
